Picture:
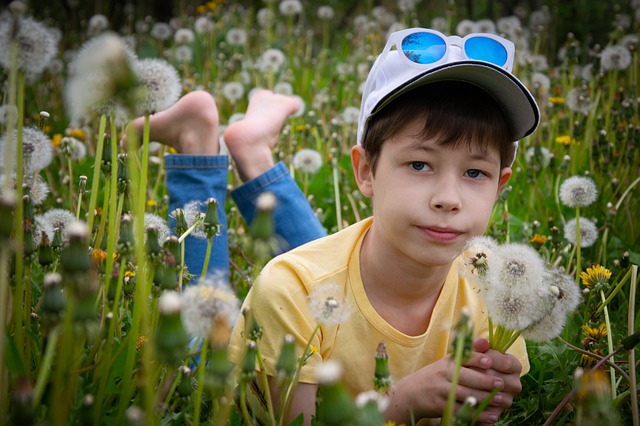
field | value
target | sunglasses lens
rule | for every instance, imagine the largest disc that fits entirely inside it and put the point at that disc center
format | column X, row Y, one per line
column 486, row 49
column 423, row 48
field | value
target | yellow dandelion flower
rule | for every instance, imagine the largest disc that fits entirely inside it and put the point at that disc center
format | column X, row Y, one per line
column 313, row 350
column 593, row 385
column 98, row 256
column 151, row 203
column 594, row 276
column 201, row 9
column 557, row 100
column 565, row 140
column 56, row 139
column 76, row 133
column 140, row 341
column 596, row 333
column 588, row 361
column 300, row 127
column 538, row 239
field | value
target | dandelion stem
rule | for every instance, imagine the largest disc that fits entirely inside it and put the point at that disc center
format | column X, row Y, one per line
column 610, row 345
column 448, row 415
column 285, row 404
column 207, row 255
column 336, row 192
column 578, row 243
column 243, row 404
column 624, row 195
column 265, row 386
column 197, row 403
column 632, row 356
column 45, row 367
column 97, row 166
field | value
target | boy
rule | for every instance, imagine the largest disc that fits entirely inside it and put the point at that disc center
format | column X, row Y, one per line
column 435, row 144
column 199, row 171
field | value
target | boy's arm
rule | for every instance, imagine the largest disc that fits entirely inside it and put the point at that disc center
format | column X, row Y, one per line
column 425, row 392
column 303, row 401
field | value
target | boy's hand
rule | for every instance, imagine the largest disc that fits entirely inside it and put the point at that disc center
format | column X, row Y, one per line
column 426, row 391
column 503, row 367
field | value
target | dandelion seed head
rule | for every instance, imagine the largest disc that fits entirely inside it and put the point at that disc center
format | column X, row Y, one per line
column 183, row 54
column 38, row 191
column 290, row 7
column 194, row 211
column 616, row 57
column 579, row 100
column 326, row 13
column 41, row 225
column 578, row 191
column 283, row 88
column 509, row 25
column 236, row 37
column 8, row 115
column 184, row 36
column 95, row 73
column 372, row 396
column 465, row 27
column 329, row 372
column 588, row 232
column 161, row 31
column 350, row 115
column 328, row 305
column 97, row 24
column 210, row 299
column 272, row 60
column 162, row 82
column 565, row 290
column 169, row 303
column 266, row 201
column 37, row 150
column 203, row 25
column 307, row 161
column 233, row 91
column 59, row 218
column 36, row 45
column 541, row 153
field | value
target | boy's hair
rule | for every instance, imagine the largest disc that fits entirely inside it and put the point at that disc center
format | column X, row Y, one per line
column 454, row 113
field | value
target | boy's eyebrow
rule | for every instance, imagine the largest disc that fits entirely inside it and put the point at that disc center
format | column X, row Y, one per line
column 420, row 145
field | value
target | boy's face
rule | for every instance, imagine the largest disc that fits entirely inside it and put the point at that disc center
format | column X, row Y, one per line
column 428, row 199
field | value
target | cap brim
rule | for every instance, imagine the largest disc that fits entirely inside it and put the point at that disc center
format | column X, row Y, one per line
column 515, row 99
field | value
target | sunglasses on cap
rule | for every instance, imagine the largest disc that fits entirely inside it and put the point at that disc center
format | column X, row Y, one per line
column 429, row 47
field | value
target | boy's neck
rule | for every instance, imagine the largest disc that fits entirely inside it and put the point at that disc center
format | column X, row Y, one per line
column 401, row 291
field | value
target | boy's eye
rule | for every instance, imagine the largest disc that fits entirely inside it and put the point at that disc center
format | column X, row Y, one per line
column 475, row 174
column 419, row 166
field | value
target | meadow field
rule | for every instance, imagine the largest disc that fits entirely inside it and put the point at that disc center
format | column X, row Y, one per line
column 100, row 320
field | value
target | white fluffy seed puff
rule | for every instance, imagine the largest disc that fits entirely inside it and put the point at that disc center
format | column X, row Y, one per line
column 307, row 160
column 474, row 260
column 328, row 305
column 210, row 302
column 36, row 148
column 578, row 191
column 588, row 232
column 162, row 84
column 36, row 44
column 515, row 294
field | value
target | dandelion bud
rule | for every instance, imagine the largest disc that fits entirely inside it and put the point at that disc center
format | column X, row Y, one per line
column 185, row 387
column 371, row 405
column 53, row 302
column 123, row 175
column 22, row 413
column 287, row 362
column 7, row 204
column 106, row 155
column 82, row 184
column 56, row 243
column 126, row 240
column 624, row 261
column 381, row 378
column 171, row 338
column 465, row 414
column 248, row 371
column 86, row 410
column 253, row 329
column 262, row 227
column 181, row 221
column 334, row 405
column 211, row 220
column 45, row 251
column 75, row 256
column 135, row 416
column 152, row 245
column 44, row 115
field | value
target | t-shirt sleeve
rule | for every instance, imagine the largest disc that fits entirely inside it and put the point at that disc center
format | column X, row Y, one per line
column 278, row 301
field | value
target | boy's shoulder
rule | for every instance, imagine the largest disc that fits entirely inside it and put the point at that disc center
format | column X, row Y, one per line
column 325, row 255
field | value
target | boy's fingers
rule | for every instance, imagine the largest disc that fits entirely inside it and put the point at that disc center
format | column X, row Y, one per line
column 479, row 360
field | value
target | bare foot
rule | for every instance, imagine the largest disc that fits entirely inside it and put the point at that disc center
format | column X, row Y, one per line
column 251, row 139
column 190, row 126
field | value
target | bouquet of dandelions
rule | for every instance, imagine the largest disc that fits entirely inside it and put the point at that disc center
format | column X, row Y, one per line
column 523, row 296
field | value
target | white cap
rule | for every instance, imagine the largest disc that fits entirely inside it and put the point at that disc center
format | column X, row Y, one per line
column 394, row 76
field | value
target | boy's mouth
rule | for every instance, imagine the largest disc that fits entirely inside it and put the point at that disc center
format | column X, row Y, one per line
column 441, row 233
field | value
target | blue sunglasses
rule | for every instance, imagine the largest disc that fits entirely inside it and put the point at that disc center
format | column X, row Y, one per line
column 428, row 47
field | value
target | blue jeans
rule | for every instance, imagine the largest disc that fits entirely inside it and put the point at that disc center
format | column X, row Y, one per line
column 200, row 177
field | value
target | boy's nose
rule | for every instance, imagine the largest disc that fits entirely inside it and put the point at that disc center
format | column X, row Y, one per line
column 446, row 197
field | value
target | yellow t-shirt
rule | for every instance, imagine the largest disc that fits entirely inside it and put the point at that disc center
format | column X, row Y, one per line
column 279, row 301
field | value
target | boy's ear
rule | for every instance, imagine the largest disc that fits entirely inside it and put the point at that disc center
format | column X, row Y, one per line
column 505, row 174
column 362, row 170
